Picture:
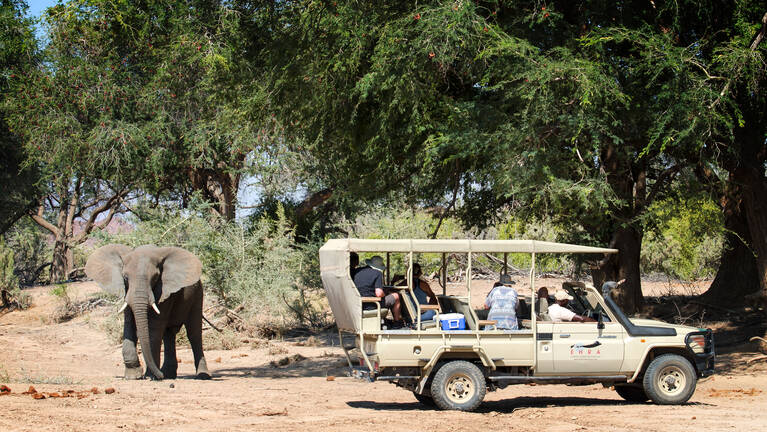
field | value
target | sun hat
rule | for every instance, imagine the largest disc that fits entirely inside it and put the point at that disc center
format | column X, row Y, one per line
column 562, row 295
column 506, row 280
column 376, row 262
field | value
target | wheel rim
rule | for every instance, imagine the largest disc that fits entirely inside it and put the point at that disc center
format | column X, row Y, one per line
column 460, row 388
column 671, row 380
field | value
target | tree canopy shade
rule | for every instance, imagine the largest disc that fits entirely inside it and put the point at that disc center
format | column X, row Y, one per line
column 18, row 52
column 585, row 111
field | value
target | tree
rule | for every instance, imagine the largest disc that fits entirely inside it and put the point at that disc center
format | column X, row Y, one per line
column 18, row 53
column 515, row 105
column 73, row 114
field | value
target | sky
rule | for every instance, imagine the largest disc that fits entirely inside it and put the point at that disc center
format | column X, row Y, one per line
column 36, row 7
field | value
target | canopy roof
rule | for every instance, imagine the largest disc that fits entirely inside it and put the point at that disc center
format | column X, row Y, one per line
column 424, row 245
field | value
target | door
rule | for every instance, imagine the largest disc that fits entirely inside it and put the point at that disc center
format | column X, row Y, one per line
column 582, row 348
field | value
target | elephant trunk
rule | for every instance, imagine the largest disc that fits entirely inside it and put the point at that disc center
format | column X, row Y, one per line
column 142, row 330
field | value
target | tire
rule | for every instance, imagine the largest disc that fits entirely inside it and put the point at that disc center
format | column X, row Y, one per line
column 425, row 400
column 458, row 385
column 670, row 379
column 631, row 393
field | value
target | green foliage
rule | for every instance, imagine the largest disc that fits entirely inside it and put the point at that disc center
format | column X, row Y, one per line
column 32, row 250
column 8, row 280
column 17, row 57
column 686, row 241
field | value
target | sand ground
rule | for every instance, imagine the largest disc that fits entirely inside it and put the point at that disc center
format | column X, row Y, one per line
column 249, row 393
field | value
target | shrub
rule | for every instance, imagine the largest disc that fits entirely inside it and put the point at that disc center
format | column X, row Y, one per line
column 686, row 241
column 32, row 251
column 10, row 293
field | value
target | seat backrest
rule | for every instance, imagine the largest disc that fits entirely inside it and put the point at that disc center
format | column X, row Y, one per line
column 410, row 308
column 462, row 307
column 543, row 309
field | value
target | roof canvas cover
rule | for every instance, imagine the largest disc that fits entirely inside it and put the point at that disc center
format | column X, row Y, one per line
column 344, row 298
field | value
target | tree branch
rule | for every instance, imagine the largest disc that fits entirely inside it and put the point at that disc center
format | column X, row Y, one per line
column 754, row 44
column 40, row 220
column 111, row 204
column 659, row 182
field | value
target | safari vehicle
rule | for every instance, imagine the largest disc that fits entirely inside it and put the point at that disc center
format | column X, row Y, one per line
column 453, row 369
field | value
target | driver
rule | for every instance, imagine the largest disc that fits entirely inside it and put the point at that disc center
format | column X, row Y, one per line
column 559, row 311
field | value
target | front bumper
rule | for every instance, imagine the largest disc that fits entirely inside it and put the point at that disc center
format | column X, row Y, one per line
column 704, row 362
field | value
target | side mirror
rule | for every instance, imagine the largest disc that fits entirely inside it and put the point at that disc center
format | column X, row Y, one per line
column 600, row 323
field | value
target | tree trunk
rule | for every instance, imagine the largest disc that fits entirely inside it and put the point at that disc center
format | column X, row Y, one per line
column 755, row 208
column 624, row 265
column 737, row 275
column 219, row 188
column 63, row 260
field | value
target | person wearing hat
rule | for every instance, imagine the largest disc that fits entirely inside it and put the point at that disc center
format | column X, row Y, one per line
column 369, row 282
column 559, row 311
column 502, row 302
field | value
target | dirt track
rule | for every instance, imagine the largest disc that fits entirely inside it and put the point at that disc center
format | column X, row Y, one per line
column 247, row 392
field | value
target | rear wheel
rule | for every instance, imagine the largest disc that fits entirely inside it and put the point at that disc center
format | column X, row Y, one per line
column 670, row 379
column 631, row 393
column 458, row 385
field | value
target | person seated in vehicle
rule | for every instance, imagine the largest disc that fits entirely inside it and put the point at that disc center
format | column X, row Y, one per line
column 559, row 311
column 423, row 293
column 369, row 282
column 542, row 305
column 502, row 302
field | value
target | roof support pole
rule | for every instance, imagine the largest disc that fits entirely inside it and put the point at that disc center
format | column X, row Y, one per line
column 505, row 263
column 532, row 311
column 444, row 274
column 388, row 266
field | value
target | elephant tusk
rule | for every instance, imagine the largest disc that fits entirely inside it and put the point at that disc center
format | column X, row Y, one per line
column 122, row 308
column 156, row 309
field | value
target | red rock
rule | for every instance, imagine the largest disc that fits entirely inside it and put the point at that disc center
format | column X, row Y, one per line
column 109, row 390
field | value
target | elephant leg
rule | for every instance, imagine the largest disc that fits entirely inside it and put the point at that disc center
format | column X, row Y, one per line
column 155, row 340
column 170, row 363
column 193, row 327
column 130, row 355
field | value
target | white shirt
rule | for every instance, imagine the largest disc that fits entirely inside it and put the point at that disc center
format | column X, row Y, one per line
column 559, row 313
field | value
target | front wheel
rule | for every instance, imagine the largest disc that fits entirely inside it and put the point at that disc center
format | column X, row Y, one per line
column 631, row 393
column 670, row 379
column 458, row 385
column 425, row 399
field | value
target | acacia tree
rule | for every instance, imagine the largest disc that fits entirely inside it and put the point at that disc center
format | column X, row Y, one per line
column 74, row 115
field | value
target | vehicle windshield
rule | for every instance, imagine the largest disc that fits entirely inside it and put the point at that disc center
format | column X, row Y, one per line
column 584, row 302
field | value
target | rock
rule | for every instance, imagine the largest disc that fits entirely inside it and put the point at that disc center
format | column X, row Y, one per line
column 330, row 378
column 172, row 385
column 110, row 390
column 38, row 396
column 95, row 390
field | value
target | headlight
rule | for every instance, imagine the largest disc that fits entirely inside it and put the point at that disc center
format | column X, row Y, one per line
column 697, row 343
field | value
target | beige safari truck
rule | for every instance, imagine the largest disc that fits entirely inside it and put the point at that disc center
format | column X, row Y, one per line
column 453, row 369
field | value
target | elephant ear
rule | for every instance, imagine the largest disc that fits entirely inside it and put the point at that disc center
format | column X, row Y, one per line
column 105, row 266
column 180, row 269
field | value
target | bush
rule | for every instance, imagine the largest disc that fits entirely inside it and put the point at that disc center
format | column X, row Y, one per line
column 10, row 293
column 686, row 240
column 32, row 250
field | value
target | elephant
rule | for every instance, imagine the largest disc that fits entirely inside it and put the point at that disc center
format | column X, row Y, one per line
column 165, row 280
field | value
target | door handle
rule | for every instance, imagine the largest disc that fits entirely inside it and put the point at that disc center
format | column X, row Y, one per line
column 563, row 336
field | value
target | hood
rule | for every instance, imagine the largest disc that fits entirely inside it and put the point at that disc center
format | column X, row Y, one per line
column 680, row 329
